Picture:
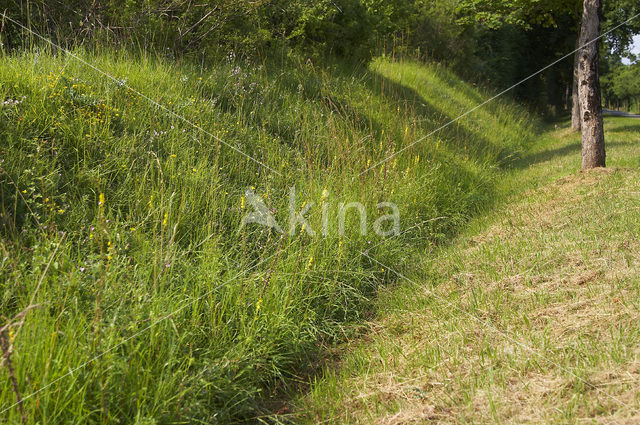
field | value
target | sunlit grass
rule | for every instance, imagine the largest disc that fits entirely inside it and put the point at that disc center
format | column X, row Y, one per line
column 116, row 215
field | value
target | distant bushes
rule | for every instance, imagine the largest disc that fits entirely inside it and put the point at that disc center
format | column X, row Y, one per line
column 345, row 28
column 621, row 87
column 210, row 29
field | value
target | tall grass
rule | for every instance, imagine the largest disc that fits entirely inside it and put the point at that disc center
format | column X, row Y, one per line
column 122, row 223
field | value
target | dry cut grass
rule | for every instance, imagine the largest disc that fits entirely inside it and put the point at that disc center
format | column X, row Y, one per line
column 534, row 319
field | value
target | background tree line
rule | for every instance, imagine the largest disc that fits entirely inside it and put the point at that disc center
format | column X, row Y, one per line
column 492, row 42
column 621, row 86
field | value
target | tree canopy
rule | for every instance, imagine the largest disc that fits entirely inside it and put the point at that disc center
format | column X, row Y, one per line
column 523, row 13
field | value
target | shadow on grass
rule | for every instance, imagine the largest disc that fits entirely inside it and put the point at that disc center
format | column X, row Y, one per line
column 572, row 149
column 547, row 155
column 456, row 137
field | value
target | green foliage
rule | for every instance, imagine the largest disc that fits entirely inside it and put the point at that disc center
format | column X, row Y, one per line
column 208, row 29
column 484, row 40
column 614, row 13
column 343, row 27
column 627, row 82
column 621, row 87
column 524, row 13
column 430, row 31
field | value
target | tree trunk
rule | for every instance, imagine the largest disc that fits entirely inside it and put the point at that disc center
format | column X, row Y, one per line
column 575, row 102
column 593, row 154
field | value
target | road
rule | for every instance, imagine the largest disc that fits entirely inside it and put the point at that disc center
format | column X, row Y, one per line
column 620, row 114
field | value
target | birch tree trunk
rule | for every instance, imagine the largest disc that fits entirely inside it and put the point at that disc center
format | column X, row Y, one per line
column 593, row 154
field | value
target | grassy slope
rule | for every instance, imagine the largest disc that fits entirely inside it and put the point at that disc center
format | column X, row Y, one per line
column 529, row 317
column 166, row 237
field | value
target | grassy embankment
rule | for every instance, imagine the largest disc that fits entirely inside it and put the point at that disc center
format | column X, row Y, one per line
column 121, row 223
column 530, row 316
